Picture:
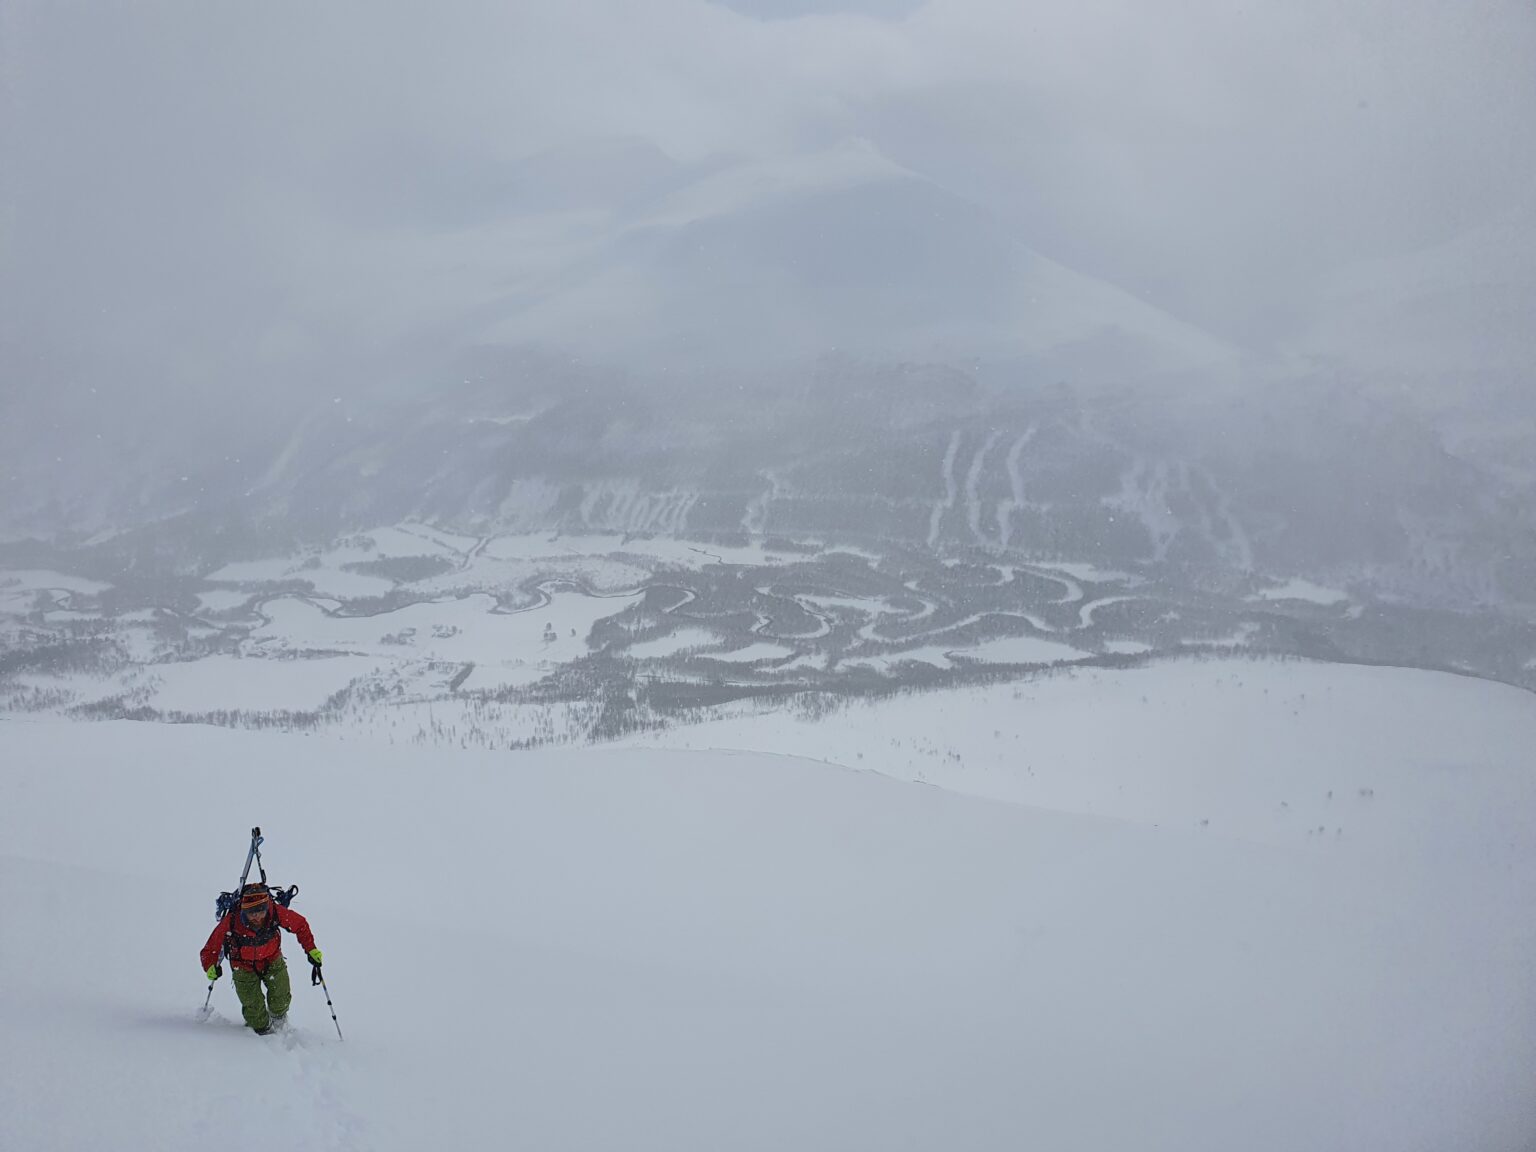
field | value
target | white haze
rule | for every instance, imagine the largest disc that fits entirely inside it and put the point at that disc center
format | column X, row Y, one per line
column 203, row 200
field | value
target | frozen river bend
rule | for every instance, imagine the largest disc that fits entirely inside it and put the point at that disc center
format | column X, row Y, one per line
column 735, row 947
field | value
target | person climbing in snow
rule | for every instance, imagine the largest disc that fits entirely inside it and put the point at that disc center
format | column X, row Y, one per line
column 249, row 935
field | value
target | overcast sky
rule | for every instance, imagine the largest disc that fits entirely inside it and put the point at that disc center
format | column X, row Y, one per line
column 245, row 192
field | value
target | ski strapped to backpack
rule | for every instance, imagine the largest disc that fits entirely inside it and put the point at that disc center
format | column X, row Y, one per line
column 227, row 902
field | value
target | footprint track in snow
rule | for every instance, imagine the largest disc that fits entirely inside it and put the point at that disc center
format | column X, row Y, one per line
column 314, row 1065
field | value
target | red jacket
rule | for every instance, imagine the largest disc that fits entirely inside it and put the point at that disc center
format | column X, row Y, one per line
column 254, row 950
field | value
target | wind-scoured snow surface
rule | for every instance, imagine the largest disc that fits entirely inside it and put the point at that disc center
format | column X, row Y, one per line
column 648, row 948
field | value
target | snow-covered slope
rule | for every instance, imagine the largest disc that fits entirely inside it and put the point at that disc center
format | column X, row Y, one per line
column 837, row 250
column 641, row 948
column 1447, row 312
column 1267, row 751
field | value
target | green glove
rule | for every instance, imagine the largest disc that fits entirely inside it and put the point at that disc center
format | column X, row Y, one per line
column 214, row 973
column 314, row 957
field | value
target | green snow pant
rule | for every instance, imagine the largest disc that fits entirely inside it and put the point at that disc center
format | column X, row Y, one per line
column 257, row 1009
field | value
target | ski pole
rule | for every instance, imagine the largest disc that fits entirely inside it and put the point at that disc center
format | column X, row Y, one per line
column 321, row 976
